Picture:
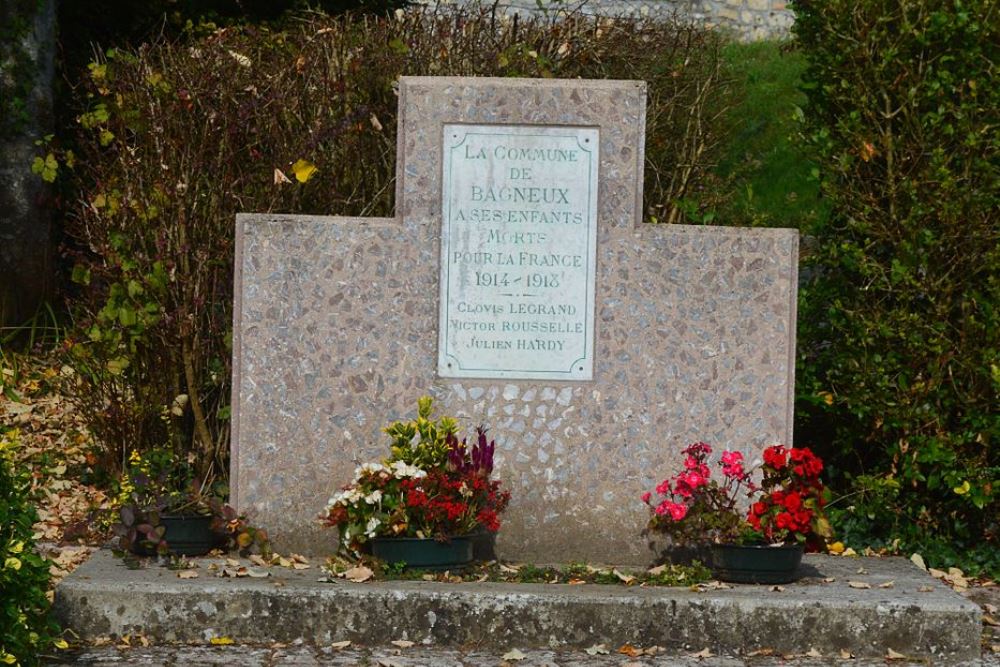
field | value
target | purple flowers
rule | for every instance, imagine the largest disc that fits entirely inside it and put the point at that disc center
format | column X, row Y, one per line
column 478, row 459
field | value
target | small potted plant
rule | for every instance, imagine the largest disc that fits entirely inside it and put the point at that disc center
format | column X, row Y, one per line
column 763, row 545
column 164, row 509
column 428, row 503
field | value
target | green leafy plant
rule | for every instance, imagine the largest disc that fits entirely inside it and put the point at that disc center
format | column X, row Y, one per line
column 24, row 575
column 900, row 330
column 156, row 485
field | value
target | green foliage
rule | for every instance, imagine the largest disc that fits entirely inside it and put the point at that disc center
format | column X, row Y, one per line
column 764, row 168
column 25, row 627
column 177, row 137
column 900, row 327
column 422, row 442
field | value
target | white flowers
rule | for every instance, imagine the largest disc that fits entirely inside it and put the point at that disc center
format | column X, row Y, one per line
column 367, row 469
column 374, row 497
column 401, row 470
column 372, row 526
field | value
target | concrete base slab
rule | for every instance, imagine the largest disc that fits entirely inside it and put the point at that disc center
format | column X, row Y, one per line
column 916, row 615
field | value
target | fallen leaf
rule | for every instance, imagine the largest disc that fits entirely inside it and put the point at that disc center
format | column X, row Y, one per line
column 703, row 653
column 240, row 58
column 303, row 170
column 576, row 582
column 862, row 570
column 777, row 589
column 887, row 584
column 339, row 646
column 280, row 178
column 509, row 570
column 220, row 641
column 625, row 578
column 358, row 574
column 375, row 123
column 918, row 560
column 937, row 574
column 401, row 643
column 829, row 580
column 813, row 653
column 428, row 577
column 760, row 652
column 858, row 584
column 846, row 655
column 187, row 574
column 513, row 654
column 894, row 655
column 658, row 570
column 629, row 650
column 233, row 562
column 989, row 620
column 849, row 552
column 297, row 558
column 597, row 649
column 925, row 589
column 257, row 559
column 300, row 566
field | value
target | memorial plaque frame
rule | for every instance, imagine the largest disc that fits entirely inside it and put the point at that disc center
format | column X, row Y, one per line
column 514, row 226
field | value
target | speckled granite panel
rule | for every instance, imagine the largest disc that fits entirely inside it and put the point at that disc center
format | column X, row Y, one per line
column 426, row 104
column 336, row 335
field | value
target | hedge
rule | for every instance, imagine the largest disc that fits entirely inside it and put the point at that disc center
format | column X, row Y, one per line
column 899, row 367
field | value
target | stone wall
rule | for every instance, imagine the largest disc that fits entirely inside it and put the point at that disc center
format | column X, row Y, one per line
column 749, row 20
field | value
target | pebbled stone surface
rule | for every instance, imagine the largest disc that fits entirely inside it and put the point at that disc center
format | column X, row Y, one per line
column 335, row 335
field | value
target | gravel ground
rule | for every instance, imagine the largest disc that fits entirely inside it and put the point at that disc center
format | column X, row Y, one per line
column 306, row 656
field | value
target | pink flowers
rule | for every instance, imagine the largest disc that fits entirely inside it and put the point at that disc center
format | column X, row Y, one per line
column 677, row 511
column 732, row 464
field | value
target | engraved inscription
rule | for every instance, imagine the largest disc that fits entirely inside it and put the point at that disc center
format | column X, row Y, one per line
column 518, row 249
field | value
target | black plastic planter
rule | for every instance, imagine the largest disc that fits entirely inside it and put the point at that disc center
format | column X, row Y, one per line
column 424, row 553
column 185, row 536
column 756, row 563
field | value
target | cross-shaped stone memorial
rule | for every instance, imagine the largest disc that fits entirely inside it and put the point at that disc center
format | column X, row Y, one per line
column 517, row 286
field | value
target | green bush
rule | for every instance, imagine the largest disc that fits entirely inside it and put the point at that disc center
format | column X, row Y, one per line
column 25, row 627
column 900, row 331
column 177, row 138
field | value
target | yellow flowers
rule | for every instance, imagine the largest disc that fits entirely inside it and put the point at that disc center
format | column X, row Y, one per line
column 17, row 547
column 61, row 643
column 221, row 641
column 836, row 548
column 8, row 659
column 12, row 563
column 962, row 488
column 303, row 170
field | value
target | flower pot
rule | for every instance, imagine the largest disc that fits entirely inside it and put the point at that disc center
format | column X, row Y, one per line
column 484, row 545
column 756, row 563
column 185, row 536
column 424, row 553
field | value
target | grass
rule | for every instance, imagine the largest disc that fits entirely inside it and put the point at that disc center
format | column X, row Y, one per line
column 763, row 167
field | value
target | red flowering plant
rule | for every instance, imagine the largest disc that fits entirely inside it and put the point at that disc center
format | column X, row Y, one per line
column 789, row 508
column 433, row 485
column 694, row 509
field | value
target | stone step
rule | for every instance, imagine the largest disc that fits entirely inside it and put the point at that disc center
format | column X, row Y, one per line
column 916, row 616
